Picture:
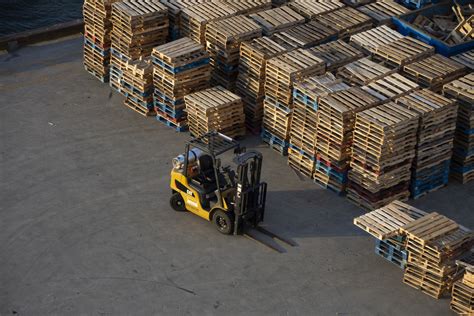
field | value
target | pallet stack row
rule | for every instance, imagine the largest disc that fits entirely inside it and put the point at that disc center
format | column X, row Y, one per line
column 277, row 19
column 215, row 109
column 181, row 67
column 137, row 86
column 383, row 150
column 137, row 27
column 303, row 131
column 434, row 243
column 97, row 28
column 462, row 301
column 437, row 123
column 463, row 154
column 194, row 19
column 336, row 120
column 251, row 78
column 281, row 73
column 223, row 39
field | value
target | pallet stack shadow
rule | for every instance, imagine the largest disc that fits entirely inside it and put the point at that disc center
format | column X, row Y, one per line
column 462, row 294
column 336, row 121
column 181, row 67
column 97, row 28
column 463, row 154
column 223, row 39
column 304, row 123
column 384, row 224
column 434, row 147
column 251, row 79
column 137, row 86
column 281, row 72
column 434, row 243
column 215, row 109
column 383, row 150
column 137, row 28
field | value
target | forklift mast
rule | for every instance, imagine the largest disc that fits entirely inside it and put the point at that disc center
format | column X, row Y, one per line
column 250, row 196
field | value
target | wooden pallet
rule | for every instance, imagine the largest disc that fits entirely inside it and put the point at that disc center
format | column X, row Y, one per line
column 466, row 59
column 215, row 109
column 336, row 54
column 276, row 118
column 247, row 7
column 373, row 38
column 302, row 163
column 386, row 222
column 304, row 36
column 429, row 227
column 277, row 19
column 433, row 72
column 390, row 87
column 402, row 51
column 370, row 201
column 363, row 71
column 383, row 11
column 283, row 70
column 194, row 19
column 462, row 301
column 346, row 21
column 310, row 10
column 461, row 89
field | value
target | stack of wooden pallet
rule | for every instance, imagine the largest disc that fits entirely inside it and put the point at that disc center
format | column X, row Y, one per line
column 363, row 71
column 194, row 19
column 434, row 147
column 137, row 85
column 463, row 158
column 247, row 7
column 215, row 109
column 304, row 35
column 136, row 28
column 223, row 39
column 383, row 11
column 383, row 150
column 463, row 291
column 403, row 51
column 180, row 67
column 303, row 131
column 97, row 28
column 251, row 78
column 390, row 87
column 175, row 7
column 281, row 72
column 311, row 9
column 346, row 21
column 384, row 224
column 466, row 59
column 277, row 19
column 373, row 38
column 434, row 243
column 336, row 119
column 433, row 72
column 336, row 54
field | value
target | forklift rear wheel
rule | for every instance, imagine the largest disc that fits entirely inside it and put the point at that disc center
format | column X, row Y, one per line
column 224, row 222
column 177, row 202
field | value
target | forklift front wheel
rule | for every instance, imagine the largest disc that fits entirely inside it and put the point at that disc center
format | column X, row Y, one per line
column 224, row 222
column 177, row 202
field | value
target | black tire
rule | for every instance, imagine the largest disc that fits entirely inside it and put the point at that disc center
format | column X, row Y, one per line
column 224, row 222
column 177, row 202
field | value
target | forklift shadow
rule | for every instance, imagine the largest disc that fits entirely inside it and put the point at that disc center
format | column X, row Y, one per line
column 310, row 213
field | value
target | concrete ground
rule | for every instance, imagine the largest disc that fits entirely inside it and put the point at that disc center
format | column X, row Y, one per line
column 85, row 226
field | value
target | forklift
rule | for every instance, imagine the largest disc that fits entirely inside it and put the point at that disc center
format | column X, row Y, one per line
column 233, row 200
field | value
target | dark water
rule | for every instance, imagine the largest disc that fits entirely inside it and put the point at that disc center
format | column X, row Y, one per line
column 24, row 15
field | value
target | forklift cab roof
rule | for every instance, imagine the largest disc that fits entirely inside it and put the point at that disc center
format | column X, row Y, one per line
column 215, row 144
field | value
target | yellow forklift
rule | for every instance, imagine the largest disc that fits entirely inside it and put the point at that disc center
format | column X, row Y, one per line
column 233, row 200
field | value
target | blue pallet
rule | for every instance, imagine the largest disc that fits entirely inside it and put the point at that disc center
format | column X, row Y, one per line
column 464, row 169
column 404, row 26
column 391, row 253
column 164, row 97
column 100, row 77
column 415, row 4
column 302, row 152
column 275, row 142
column 180, row 69
column 421, row 190
column 135, row 90
column 173, row 125
column 176, row 114
column 96, row 47
column 119, row 55
column 340, row 177
column 297, row 95
column 466, row 131
column 329, row 187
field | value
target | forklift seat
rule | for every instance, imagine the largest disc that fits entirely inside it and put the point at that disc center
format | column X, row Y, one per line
column 206, row 167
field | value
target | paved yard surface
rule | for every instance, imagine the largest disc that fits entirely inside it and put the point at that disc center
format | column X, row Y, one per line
column 85, row 226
